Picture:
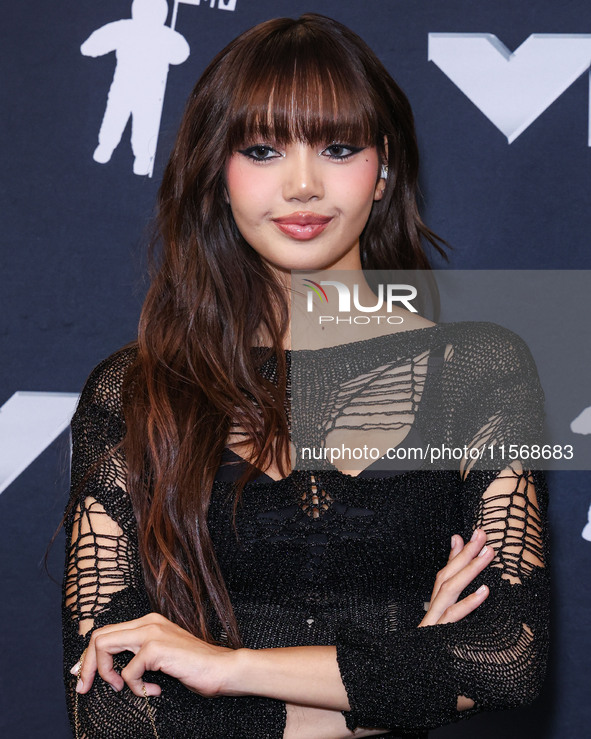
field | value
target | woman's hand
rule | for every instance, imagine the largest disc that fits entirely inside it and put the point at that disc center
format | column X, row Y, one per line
column 158, row 644
column 464, row 564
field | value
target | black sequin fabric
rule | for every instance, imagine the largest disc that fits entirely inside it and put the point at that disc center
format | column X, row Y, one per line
column 327, row 558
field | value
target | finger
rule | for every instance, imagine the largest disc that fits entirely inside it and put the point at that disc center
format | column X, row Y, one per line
column 133, row 673
column 451, row 589
column 87, row 669
column 89, row 662
column 457, row 611
column 465, row 606
column 463, row 557
column 465, row 553
column 457, row 544
column 77, row 668
column 113, row 642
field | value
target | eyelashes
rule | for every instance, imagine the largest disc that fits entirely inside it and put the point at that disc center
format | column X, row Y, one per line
column 336, row 151
column 260, row 152
column 264, row 152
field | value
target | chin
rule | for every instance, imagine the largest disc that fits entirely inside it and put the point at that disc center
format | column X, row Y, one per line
column 313, row 262
column 307, row 265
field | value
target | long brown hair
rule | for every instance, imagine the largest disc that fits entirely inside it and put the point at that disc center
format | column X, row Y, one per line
column 311, row 80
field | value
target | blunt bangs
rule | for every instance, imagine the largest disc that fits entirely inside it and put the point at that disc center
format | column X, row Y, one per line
column 299, row 85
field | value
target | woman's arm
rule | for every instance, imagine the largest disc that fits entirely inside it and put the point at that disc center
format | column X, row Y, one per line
column 307, row 677
column 103, row 585
column 465, row 658
column 412, row 678
column 496, row 656
column 310, row 675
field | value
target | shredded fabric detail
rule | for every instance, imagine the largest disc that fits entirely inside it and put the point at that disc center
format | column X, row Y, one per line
column 325, row 557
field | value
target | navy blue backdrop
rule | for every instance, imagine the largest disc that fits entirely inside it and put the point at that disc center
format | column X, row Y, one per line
column 72, row 263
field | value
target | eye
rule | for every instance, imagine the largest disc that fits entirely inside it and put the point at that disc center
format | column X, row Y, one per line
column 341, row 151
column 260, row 152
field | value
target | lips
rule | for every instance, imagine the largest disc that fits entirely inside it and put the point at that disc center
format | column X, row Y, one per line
column 302, row 226
column 304, row 219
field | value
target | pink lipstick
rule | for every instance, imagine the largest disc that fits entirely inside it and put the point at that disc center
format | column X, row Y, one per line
column 302, row 226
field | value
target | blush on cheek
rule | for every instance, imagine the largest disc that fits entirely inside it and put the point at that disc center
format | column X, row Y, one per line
column 357, row 183
column 365, row 169
column 247, row 184
column 237, row 176
column 369, row 172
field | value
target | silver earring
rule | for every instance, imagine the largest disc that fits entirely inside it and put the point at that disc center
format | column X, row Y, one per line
column 384, row 172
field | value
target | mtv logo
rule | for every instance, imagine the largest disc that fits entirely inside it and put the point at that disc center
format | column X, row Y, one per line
column 512, row 89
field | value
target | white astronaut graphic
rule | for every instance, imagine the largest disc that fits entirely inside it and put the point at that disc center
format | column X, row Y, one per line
column 582, row 425
column 145, row 48
column 586, row 533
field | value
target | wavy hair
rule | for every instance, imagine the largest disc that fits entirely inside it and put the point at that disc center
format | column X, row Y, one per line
column 196, row 377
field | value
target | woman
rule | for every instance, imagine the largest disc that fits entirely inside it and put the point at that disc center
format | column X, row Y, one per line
column 308, row 603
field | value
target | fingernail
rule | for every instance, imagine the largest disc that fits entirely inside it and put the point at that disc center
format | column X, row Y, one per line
column 483, row 551
column 453, row 541
column 475, row 534
column 114, row 688
column 481, row 589
column 74, row 670
column 79, row 685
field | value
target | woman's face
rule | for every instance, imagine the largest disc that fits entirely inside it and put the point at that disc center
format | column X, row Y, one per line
column 302, row 206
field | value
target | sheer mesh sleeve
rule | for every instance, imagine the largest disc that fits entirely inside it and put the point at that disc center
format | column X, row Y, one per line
column 103, row 584
column 496, row 656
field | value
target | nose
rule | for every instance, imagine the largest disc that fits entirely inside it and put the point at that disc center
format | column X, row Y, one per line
column 303, row 175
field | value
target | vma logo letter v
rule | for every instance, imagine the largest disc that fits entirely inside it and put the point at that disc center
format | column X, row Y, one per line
column 29, row 422
column 512, row 89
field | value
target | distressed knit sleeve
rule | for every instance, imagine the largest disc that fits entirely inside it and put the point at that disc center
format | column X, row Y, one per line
column 103, row 584
column 411, row 678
